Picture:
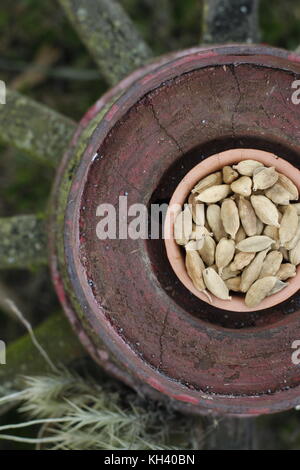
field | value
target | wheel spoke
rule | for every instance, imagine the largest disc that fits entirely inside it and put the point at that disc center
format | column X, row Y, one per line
column 55, row 336
column 109, row 35
column 34, row 128
column 226, row 21
column 230, row 433
column 22, row 242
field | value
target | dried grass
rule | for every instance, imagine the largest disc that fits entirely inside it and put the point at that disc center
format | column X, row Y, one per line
column 75, row 413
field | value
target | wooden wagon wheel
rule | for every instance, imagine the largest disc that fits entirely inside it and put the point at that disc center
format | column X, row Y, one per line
column 147, row 131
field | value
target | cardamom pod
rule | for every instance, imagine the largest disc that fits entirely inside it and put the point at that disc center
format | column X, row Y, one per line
column 286, row 271
column 272, row 232
column 259, row 290
column 240, row 235
column 183, row 226
column 289, row 225
column 265, row 178
column 292, row 243
column 252, row 271
column 214, row 193
column 247, row 167
column 265, row 210
column 208, row 181
column 271, row 264
column 215, row 284
column 241, row 260
column 195, row 268
column 248, row 217
column 194, row 245
column 242, row 186
column 295, row 254
column 213, row 215
column 259, row 226
column 224, row 253
column 230, row 217
column 197, row 209
column 289, row 186
column 229, row 174
column 254, row 244
column 234, row 283
column 297, row 207
column 227, row 273
column 279, row 285
column 278, row 195
column 207, row 251
column 199, row 232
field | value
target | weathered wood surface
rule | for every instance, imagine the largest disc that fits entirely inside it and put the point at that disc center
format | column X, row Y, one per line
column 109, row 35
column 34, row 128
column 227, row 21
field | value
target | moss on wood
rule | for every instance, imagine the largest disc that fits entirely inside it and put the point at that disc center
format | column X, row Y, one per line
column 109, row 35
column 22, row 357
column 22, row 242
column 34, row 128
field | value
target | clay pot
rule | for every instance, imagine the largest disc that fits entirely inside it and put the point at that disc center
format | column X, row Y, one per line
column 176, row 253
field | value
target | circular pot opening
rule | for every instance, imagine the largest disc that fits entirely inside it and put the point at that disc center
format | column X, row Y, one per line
column 175, row 253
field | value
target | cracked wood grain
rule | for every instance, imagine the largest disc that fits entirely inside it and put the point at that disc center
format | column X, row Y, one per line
column 161, row 340
column 163, row 128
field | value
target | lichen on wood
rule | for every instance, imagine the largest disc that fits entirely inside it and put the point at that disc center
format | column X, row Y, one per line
column 109, row 35
column 226, row 21
column 22, row 242
column 22, row 358
column 34, row 128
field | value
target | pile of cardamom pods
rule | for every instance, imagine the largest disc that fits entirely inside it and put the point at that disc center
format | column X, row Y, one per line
column 241, row 232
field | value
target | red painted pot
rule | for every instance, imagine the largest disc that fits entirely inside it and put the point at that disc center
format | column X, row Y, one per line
column 135, row 317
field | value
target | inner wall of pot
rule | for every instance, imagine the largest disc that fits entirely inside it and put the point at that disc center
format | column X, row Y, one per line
column 157, row 252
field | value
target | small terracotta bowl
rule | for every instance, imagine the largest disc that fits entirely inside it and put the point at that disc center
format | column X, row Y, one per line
column 175, row 253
